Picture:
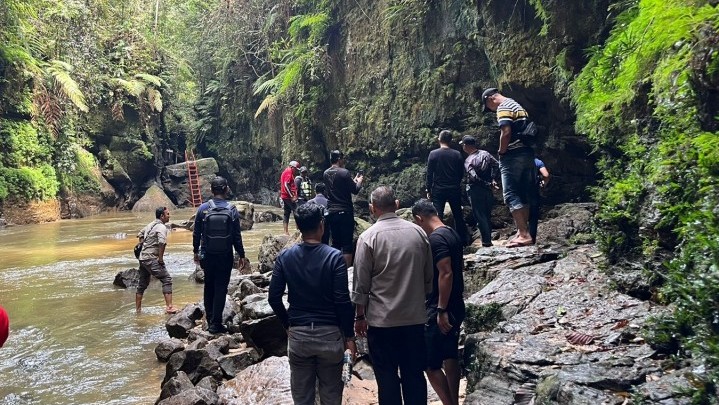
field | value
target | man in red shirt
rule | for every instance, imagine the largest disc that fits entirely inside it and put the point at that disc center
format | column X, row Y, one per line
column 288, row 192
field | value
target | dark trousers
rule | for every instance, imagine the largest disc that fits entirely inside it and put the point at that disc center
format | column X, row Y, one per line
column 217, row 277
column 481, row 198
column 454, row 198
column 399, row 348
column 315, row 354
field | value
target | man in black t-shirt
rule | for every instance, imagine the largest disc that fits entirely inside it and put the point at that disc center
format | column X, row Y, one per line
column 445, row 306
column 445, row 170
column 340, row 211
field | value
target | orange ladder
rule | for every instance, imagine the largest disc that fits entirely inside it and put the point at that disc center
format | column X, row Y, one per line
column 193, row 179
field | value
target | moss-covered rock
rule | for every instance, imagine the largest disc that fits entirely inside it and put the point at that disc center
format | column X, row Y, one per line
column 154, row 197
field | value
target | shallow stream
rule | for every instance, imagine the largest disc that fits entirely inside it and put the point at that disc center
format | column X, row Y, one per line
column 75, row 338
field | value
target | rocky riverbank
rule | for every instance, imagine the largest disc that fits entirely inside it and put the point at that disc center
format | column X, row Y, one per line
column 545, row 325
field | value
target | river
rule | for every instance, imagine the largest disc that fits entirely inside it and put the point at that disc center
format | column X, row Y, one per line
column 75, row 338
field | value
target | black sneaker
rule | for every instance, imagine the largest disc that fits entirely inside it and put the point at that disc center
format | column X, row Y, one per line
column 217, row 329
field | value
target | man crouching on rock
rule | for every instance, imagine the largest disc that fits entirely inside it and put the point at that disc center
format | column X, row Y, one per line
column 152, row 262
column 319, row 321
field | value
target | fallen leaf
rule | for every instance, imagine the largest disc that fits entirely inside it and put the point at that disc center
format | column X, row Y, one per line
column 622, row 323
column 578, row 338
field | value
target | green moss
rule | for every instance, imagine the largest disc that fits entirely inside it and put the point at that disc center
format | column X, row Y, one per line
column 639, row 103
column 482, row 318
column 23, row 144
column 84, row 174
column 38, row 183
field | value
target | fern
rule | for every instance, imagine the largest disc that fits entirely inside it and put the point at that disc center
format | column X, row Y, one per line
column 269, row 103
column 155, row 99
column 60, row 72
column 156, row 81
column 134, row 88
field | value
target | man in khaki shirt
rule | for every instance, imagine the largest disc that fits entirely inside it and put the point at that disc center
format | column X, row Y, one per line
column 392, row 275
column 152, row 259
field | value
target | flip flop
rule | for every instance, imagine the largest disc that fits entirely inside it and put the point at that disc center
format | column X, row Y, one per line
column 514, row 244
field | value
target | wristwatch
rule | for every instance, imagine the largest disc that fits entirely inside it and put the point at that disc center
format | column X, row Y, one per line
column 441, row 310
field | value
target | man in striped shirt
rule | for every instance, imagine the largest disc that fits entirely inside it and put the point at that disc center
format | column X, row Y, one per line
column 516, row 162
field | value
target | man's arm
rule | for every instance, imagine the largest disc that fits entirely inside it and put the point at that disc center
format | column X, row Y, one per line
column 504, row 138
column 197, row 230
column 237, row 238
column 274, row 296
column 430, row 175
column 341, row 296
column 287, row 187
column 444, row 284
column 361, row 284
column 162, row 242
column 545, row 176
column 428, row 267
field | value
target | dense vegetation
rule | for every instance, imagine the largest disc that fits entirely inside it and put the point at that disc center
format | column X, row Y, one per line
column 94, row 91
column 647, row 100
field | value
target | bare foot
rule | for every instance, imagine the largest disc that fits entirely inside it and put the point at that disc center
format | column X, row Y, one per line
column 171, row 310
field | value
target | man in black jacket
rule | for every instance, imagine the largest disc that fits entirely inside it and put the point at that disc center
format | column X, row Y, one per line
column 319, row 321
column 217, row 231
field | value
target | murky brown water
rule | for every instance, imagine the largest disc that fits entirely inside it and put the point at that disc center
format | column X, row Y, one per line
column 75, row 338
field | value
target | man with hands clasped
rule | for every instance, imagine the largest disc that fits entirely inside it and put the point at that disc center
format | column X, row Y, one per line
column 319, row 318
column 445, row 306
column 392, row 275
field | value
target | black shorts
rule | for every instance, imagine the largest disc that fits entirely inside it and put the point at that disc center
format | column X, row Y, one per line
column 289, row 208
column 342, row 228
column 441, row 347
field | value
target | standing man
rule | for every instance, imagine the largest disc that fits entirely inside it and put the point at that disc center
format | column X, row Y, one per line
column 445, row 306
column 445, row 170
column 288, row 192
column 217, row 231
column 319, row 320
column 304, row 186
column 516, row 161
column 152, row 259
column 481, row 168
column 340, row 211
column 392, row 275
column 320, row 198
column 542, row 181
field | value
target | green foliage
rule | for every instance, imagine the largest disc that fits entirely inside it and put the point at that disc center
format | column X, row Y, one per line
column 22, row 144
column 30, row 183
column 542, row 14
column 82, row 174
column 482, row 318
column 639, row 103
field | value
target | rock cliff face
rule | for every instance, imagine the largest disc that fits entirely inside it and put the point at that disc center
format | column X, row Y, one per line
column 400, row 73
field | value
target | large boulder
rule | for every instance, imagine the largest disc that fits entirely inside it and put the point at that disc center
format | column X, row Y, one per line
column 174, row 180
column 154, row 197
column 129, row 278
column 271, row 247
column 180, row 324
column 238, row 360
column 267, row 382
column 244, row 289
column 194, row 396
column 197, row 364
column 175, row 385
column 255, row 306
column 266, row 334
column 167, row 347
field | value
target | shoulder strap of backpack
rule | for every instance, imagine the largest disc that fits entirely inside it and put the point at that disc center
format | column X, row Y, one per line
column 212, row 204
column 147, row 232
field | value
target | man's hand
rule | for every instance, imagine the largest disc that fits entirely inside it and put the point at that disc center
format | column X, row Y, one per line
column 443, row 322
column 196, row 258
column 429, row 195
column 495, row 185
column 352, row 347
column 244, row 263
column 361, row 327
column 295, row 197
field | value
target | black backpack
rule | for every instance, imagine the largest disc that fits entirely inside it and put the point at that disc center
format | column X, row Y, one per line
column 525, row 130
column 217, row 229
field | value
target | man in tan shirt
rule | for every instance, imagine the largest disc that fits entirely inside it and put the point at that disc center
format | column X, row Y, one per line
column 392, row 275
column 152, row 259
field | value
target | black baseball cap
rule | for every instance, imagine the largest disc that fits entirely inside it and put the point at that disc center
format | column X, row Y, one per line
column 487, row 94
column 468, row 140
column 219, row 183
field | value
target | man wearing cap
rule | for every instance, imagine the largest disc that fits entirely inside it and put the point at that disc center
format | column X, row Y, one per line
column 212, row 248
column 516, row 162
column 304, row 186
column 482, row 169
column 445, row 170
column 340, row 210
column 288, row 192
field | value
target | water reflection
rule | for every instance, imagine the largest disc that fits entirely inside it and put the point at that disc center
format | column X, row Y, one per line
column 75, row 338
